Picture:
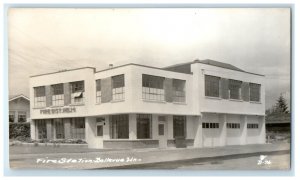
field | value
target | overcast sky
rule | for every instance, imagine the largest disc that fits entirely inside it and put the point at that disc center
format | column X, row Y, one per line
column 47, row 40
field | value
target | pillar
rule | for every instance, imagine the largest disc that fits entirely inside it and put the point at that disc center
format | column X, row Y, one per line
column 244, row 129
column 170, row 126
column 32, row 130
column 223, row 129
column 262, row 135
column 106, row 125
column 154, row 127
column 67, row 128
column 49, row 129
column 198, row 142
column 132, row 126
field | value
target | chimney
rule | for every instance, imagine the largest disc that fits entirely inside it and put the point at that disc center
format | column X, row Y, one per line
column 111, row 66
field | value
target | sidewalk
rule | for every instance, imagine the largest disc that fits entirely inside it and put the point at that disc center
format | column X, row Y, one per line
column 110, row 159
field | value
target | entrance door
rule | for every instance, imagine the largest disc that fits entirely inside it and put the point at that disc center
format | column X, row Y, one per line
column 162, row 132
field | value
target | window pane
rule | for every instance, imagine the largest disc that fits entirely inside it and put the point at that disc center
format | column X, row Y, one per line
column 118, row 81
column 119, row 126
column 212, row 86
column 143, row 126
column 178, row 126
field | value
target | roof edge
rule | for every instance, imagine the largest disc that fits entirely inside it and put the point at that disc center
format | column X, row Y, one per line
column 63, row 71
column 19, row 96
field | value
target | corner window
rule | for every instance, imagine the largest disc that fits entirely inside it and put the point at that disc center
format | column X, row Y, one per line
column 58, row 95
column 118, row 84
column 144, row 126
column 153, row 87
column 39, row 97
column 77, row 92
column 254, row 92
column 235, row 89
column 179, row 126
column 21, row 116
column 178, row 90
column 212, row 86
column 98, row 91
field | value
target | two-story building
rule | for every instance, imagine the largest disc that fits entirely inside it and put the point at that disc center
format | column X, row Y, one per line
column 201, row 103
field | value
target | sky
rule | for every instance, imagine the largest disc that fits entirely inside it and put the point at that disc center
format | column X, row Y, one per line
column 45, row 40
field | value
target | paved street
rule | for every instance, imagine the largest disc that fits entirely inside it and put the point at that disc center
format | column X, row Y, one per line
column 229, row 157
column 279, row 161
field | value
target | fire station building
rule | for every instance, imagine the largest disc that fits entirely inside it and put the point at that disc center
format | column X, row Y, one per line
column 203, row 103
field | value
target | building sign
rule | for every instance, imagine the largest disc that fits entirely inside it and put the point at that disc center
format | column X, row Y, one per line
column 58, row 110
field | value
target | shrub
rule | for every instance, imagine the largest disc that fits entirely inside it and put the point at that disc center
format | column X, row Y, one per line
column 19, row 131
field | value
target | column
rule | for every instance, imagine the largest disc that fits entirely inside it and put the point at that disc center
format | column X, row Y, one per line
column 67, row 128
column 244, row 130
column 48, row 96
column 154, row 127
column 49, row 128
column 198, row 142
column 106, row 125
column 67, row 94
column 223, row 129
column 32, row 130
column 132, row 127
column 170, row 126
column 262, row 135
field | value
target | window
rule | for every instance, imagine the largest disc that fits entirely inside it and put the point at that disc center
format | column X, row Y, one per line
column 252, row 126
column 144, row 126
column 179, row 126
column 39, row 97
column 161, row 129
column 100, row 130
column 41, row 128
column 21, row 116
column 254, row 92
column 58, row 95
column 11, row 116
column 212, row 85
column 78, row 128
column 98, row 91
column 233, row 126
column 153, row 87
column 178, row 90
column 235, row 89
column 118, row 87
column 59, row 128
column 77, row 92
column 210, row 125
column 119, row 126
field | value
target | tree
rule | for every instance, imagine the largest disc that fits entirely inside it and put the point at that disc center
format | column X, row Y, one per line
column 279, row 108
column 281, row 105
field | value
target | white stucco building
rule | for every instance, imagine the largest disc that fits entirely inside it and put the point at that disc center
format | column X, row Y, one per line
column 201, row 104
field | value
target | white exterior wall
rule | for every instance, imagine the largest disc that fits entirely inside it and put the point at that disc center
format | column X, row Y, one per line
column 197, row 107
column 86, row 74
column 227, row 106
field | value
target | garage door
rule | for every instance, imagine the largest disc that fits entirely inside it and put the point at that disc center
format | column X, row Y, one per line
column 233, row 136
column 253, row 130
column 211, row 134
